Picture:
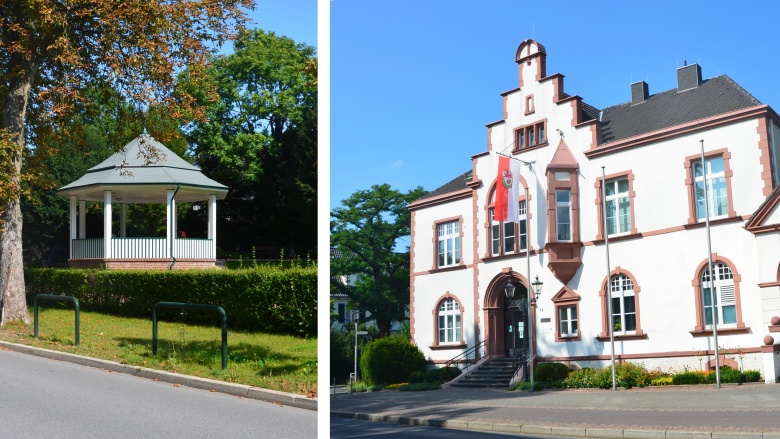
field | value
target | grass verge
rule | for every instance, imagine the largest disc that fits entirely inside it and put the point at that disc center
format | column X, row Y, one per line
column 277, row 362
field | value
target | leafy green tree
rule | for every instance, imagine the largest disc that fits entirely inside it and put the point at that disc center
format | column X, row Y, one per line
column 260, row 139
column 365, row 231
column 50, row 50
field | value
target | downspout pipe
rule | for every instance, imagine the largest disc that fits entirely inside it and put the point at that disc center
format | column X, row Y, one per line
column 171, row 222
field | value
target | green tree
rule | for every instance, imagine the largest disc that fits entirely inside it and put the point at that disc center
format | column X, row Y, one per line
column 365, row 231
column 260, row 139
column 51, row 49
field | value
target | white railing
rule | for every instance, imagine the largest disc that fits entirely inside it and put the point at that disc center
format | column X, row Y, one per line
column 143, row 248
column 191, row 248
column 137, row 248
column 87, row 248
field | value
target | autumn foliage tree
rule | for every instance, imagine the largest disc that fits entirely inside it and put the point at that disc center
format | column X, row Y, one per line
column 51, row 49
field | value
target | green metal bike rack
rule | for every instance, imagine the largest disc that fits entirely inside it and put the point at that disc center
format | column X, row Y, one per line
column 59, row 298
column 191, row 306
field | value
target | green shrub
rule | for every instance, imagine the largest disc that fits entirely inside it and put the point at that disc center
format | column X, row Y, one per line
column 416, row 377
column 661, row 381
column 390, row 360
column 626, row 375
column 689, row 377
column 450, row 373
column 524, row 386
column 630, row 375
column 270, row 299
column 584, row 378
column 419, row 387
column 551, row 372
column 438, row 375
column 729, row 375
column 752, row 376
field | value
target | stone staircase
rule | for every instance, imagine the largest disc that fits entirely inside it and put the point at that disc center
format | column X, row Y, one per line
column 496, row 373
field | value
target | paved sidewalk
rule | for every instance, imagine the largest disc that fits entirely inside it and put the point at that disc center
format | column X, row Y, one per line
column 749, row 411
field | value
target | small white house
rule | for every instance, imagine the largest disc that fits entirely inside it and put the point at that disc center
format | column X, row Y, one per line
column 143, row 172
column 649, row 149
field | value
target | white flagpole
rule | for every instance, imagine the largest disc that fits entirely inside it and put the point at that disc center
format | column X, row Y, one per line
column 609, row 281
column 531, row 299
column 712, row 274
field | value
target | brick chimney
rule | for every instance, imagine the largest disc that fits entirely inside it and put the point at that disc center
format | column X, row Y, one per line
column 639, row 92
column 688, row 77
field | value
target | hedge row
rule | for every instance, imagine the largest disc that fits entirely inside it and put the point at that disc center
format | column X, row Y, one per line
column 266, row 299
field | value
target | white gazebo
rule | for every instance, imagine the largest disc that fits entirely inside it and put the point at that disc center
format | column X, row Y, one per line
column 129, row 177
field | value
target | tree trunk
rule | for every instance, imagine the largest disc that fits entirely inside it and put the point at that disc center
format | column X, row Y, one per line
column 383, row 326
column 12, row 289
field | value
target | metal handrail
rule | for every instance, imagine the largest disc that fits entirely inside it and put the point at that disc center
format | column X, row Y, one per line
column 477, row 351
column 520, row 360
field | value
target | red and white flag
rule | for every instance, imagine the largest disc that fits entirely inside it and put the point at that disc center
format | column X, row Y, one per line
column 507, row 190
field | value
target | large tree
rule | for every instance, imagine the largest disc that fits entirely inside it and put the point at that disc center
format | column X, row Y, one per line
column 365, row 233
column 260, row 139
column 50, row 50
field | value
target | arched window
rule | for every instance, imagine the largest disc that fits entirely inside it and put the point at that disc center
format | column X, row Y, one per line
column 449, row 321
column 725, row 303
column 623, row 305
column 625, row 321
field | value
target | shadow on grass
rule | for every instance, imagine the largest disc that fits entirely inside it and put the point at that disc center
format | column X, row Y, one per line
column 209, row 354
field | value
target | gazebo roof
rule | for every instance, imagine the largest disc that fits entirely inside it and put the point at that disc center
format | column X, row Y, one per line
column 132, row 180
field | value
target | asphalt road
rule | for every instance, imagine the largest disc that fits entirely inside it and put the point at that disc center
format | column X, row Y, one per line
column 351, row 428
column 43, row 398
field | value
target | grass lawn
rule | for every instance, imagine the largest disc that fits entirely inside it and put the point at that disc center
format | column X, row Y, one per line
column 278, row 362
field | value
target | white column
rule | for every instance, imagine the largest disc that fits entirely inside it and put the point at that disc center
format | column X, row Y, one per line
column 107, row 225
column 73, row 200
column 168, row 214
column 123, row 221
column 213, row 224
column 82, row 219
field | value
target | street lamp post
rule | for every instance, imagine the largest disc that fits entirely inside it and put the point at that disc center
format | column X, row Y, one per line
column 509, row 289
column 536, row 292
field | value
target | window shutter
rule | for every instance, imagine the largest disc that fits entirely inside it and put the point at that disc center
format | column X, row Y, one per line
column 727, row 296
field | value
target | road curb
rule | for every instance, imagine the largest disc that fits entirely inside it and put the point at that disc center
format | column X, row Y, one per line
column 571, row 431
column 272, row 396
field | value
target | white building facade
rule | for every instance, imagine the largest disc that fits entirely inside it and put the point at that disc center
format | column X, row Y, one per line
column 650, row 151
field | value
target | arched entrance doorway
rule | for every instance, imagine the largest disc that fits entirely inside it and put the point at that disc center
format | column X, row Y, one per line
column 506, row 321
column 516, row 335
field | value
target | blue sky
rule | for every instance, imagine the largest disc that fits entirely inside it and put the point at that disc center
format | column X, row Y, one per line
column 296, row 19
column 413, row 83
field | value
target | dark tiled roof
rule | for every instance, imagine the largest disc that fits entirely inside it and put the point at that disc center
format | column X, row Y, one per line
column 458, row 183
column 714, row 96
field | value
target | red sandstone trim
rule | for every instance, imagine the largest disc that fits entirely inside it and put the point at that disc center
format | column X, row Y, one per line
column 764, row 149
column 629, row 174
column 689, row 181
column 700, row 329
column 440, row 199
column 605, row 318
column 435, row 313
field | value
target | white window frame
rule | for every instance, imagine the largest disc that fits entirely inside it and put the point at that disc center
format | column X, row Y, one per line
column 567, row 321
column 622, row 290
column 448, row 246
column 449, row 321
column 725, row 295
column 614, row 202
column 563, row 205
column 499, row 241
column 713, row 178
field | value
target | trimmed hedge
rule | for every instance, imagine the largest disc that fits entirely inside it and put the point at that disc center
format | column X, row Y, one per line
column 442, row 374
column 551, row 372
column 266, row 299
column 390, row 360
